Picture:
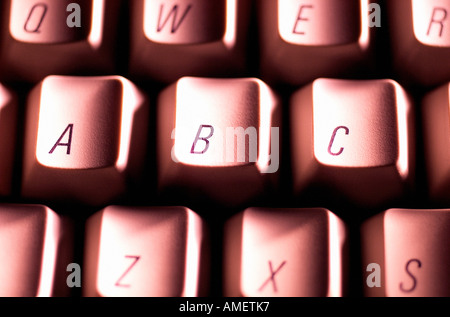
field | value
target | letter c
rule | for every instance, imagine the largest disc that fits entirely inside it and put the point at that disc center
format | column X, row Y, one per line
column 332, row 140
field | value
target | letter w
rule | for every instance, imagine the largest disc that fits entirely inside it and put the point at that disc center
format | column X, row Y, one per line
column 175, row 24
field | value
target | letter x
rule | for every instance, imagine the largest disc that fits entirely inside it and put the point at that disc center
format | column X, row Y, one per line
column 271, row 278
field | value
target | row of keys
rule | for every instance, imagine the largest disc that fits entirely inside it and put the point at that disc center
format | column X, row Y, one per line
column 298, row 40
column 163, row 251
column 220, row 139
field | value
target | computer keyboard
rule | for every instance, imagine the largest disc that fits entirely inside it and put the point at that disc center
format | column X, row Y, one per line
column 224, row 149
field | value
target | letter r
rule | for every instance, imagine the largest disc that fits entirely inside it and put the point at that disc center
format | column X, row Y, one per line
column 211, row 132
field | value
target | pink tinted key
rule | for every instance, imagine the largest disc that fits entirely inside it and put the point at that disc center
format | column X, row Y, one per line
column 354, row 138
column 420, row 39
column 145, row 251
column 175, row 38
column 47, row 37
column 8, row 122
column 32, row 245
column 304, row 40
column 285, row 252
column 85, row 138
column 218, row 138
column 406, row 253
column 436, row 128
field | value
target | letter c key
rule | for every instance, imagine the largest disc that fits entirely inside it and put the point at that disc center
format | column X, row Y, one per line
column 332, row 140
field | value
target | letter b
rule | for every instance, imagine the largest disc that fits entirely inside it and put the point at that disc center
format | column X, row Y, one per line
column 211, row 132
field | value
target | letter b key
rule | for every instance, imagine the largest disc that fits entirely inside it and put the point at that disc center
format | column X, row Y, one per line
column 218, row 138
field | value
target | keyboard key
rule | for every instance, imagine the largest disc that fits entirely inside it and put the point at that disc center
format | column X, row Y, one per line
column 8, row 132
column 353, row 137
column 436, row 116
column 303, row 40
column 285, row 252
column 196, row 38
column 419, row 32
column 406, row 253
column 85, row 139
column 145, row 251
column 57, row 37
column 218, row 139
column 31, row 246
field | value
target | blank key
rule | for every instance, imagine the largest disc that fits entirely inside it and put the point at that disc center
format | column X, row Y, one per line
column 157, row 251
column 31, row 246
column 285, row 252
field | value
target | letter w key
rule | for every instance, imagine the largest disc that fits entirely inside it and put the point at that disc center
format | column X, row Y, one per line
column 184, row 21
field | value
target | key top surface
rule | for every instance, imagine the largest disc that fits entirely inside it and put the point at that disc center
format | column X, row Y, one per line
column 419, row 39
column 304, row 23
column 285, row 252
column 41, row 38
column 355, row 136
column 185, row 22
column 85, row 138
column 145, row 252
column 412, row 251
column 218, row 136
column 301, row 41
column 30, row 246
column 189, row 38
column 47, row 21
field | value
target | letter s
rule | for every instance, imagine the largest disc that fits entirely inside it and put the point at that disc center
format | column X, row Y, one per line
column 419, row 264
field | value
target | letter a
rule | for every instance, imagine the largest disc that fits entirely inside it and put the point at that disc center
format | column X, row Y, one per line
column 74, row 278
column 373, row 279
column 74, row 19
column 69, row 141
column 375, row 15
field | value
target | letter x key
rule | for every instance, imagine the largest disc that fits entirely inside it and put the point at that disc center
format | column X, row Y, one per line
column 310, row 244
column 271, row 278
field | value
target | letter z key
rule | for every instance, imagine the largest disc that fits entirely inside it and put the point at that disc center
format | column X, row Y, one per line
column 84, row 138
column 353, row 137
column 218, row 138
column 145, row 251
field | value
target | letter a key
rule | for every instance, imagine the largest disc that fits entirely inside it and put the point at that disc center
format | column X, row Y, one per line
column 84, row 138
